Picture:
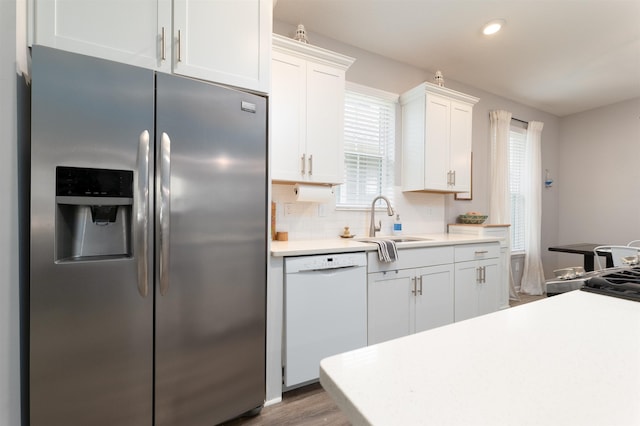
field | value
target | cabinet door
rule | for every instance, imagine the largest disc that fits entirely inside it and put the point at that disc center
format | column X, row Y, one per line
column 460, row 146
column 287, row 114
column 225, row 41
column 488, row 295
column 325, row 124
column 434, row 297
column 466, row 290
column 119, row 30
column 388, row 305
column 476, row 289
column 436, row 161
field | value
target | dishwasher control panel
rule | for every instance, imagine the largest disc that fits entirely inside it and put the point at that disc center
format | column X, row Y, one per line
column 325, row 261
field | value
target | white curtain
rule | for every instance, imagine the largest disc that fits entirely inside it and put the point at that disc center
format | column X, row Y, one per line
column 499, row 193
column 533, row 274
column 499, row 196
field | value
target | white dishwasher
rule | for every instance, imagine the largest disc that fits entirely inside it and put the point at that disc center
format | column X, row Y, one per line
column 325, row 311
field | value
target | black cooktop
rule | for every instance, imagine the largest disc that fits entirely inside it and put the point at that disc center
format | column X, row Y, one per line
column 623, row 283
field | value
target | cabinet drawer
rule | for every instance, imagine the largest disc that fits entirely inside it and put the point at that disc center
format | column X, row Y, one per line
column 466, row 252
column 411, row 258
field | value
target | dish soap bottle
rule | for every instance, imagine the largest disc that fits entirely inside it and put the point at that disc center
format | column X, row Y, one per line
column 397, row 226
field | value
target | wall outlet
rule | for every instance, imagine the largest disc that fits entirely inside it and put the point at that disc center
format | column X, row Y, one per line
column 322, row 210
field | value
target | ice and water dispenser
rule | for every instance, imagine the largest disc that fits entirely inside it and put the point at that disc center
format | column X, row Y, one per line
column 93, row 213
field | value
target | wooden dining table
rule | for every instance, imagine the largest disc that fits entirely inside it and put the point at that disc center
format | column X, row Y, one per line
column 587, row 251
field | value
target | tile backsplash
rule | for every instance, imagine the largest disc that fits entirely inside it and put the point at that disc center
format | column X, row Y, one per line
column 420, row 213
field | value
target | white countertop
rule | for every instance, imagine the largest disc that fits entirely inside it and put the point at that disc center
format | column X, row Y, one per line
column 571, row 359
column 343, row 245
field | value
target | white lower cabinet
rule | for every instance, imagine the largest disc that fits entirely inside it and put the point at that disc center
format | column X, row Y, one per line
column 434, row 298
column 388, row 300
column 477, row 280
column 409, row 300
column 426, row 287
column 498, row 231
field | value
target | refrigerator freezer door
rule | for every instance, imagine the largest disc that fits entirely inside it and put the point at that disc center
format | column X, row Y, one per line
column 91, row 326
column 210, row 315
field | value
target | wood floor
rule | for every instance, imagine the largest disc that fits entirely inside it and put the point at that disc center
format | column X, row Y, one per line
column 311, row 405
column 525, row 298
column 306, row 406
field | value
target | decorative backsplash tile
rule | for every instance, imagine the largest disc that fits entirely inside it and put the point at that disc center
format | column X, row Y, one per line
column 421, row 213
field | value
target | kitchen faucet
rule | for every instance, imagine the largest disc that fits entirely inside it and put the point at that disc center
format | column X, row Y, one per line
column 373, row 228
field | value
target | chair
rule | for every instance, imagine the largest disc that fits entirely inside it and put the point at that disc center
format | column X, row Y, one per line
column 617, row 253
column 634, row 243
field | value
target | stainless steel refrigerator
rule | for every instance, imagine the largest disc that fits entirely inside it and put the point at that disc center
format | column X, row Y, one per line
column 148, row 246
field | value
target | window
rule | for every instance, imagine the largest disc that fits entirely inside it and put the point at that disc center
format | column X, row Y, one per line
column 517, row 145
column 369, row 146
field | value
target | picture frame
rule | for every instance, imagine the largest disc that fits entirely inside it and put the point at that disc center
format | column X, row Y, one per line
column 466, row 196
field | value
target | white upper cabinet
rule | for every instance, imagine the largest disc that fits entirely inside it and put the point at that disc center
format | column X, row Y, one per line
column 224, row 41
column 119, row 30
column 307, row 113
column 227, row 41
column 436, row 139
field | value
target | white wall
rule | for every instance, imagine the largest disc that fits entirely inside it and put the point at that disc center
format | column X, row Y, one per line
column 9, row 248
column 383, row 73
column 600, row 177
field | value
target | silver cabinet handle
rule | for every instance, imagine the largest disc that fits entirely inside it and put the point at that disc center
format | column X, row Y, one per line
column 481, row 274
column 163, row 45
column 304, row 163
column 477, row 252
column 179, row 45
column 413, row 286
column 165, row 211
column 453, row 178
column 310, row 165
column 449, row 178
column 142, row 214
column 420, row 280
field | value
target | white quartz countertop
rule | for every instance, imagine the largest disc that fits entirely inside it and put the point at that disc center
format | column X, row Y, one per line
column 571, row 359
column 343, row 245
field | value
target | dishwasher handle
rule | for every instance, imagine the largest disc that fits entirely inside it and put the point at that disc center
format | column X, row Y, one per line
column 333, row 268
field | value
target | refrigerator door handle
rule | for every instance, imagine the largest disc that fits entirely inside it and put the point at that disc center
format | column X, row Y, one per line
column 142, row 215
column 165, row 210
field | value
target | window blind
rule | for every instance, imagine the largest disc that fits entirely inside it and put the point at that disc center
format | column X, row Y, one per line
column 369, row 147
column 517, row 144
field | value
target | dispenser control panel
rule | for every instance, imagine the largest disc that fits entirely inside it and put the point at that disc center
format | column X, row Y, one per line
column 84, row 182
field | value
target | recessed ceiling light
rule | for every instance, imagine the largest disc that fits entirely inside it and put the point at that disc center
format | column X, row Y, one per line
column 493, row 27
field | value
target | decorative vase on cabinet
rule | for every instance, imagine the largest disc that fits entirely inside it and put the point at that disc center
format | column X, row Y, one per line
column 436, row 141
column 307, row 112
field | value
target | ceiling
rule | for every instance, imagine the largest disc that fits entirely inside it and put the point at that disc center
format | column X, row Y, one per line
column 559, row 56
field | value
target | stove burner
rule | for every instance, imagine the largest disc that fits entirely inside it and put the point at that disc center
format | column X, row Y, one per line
column 623, row 283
